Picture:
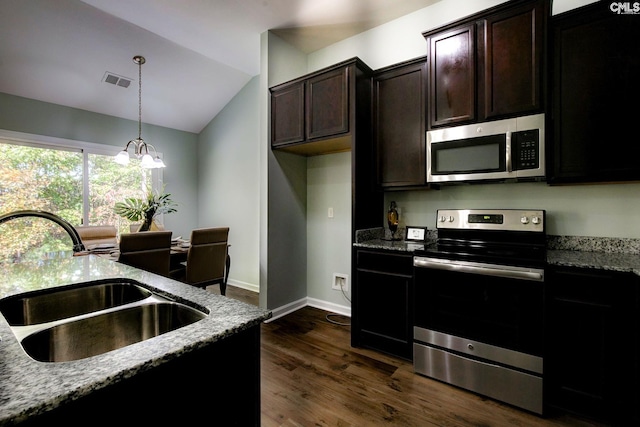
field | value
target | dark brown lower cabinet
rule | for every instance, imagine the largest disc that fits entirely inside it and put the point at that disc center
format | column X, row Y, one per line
column 591, row 357
column 382, row 317
column 218, row 382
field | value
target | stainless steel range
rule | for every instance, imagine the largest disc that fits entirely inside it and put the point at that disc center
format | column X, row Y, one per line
column 479, row 304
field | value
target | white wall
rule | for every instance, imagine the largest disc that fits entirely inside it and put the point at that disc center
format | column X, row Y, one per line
column 328, row 239
column 229, row 181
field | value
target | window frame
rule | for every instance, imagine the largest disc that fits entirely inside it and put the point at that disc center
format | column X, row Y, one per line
column 83, row 147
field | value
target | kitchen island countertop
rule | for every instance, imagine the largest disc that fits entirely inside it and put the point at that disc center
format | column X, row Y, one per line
column 29, row 388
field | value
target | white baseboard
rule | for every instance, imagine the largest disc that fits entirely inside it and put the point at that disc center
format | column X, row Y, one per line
column 329, row 306
column 244, row 285
column 286, row 309
column 295, row 305
column 276, row 313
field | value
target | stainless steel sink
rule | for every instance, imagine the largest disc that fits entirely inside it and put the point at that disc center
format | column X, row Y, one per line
column 72, row 323
column 55, row 304
column 101, row 333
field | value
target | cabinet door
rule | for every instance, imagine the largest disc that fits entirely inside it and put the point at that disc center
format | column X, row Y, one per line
column 382, row 302
column 399, row 122
column 287, row 114
column 452, row 76
column 328, row 104
column 511, row 46
column 591, row 347
column 595, row 87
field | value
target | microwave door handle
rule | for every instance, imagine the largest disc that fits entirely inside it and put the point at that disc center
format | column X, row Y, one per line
column 509, row 153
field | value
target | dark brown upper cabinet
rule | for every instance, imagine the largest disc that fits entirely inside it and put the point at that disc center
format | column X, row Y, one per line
column 452, row 76
column 330, row 111
column 287, row 114
column 596, row 66
column 399, row 105
column 489, row 65
column 328, row 103
column 317, row 113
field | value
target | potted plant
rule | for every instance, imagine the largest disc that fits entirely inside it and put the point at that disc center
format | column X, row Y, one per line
column 145, row 210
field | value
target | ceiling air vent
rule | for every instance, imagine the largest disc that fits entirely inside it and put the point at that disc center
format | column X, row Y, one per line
column 117, row 80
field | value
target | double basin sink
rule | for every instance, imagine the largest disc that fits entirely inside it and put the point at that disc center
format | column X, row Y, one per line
column 88, row 319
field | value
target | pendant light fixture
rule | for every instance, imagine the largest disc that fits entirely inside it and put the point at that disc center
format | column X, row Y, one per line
column 141, row 148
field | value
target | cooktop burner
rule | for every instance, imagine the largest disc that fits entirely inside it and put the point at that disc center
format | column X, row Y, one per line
column 510, row 237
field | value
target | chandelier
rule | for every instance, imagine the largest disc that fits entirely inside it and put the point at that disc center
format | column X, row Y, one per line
column 141, row 148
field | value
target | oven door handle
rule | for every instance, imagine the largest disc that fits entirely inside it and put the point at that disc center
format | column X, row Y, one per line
column 506, row 271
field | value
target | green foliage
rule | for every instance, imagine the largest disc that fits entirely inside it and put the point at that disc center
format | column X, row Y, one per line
column 39, row 179
column 132, row 209
column 155, row 203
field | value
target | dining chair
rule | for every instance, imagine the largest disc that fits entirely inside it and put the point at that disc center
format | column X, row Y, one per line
column 208, row 260
column 155, row 226
column 97, row 235
column 148, row 251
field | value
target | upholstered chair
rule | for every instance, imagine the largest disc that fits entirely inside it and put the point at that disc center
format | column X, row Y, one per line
column 208, row 260
column 148, row 251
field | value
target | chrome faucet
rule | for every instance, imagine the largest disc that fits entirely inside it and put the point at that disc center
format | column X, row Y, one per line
column 78, row 246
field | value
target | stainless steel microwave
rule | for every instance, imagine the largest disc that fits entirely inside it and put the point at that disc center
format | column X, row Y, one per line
column 497, row 150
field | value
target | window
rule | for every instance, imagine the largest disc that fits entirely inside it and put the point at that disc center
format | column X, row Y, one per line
column 79, row 182
column 109, row 183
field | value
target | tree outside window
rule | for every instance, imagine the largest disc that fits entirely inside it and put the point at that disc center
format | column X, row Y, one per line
column 52, row 179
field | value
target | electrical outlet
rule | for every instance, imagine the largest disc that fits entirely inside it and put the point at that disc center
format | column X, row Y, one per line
column 340, row 281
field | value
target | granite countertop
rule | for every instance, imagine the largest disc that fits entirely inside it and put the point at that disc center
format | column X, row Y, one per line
column 622, row 262
column 28, row 387
column 389, row 245
column 380, row 238
column 615, row 254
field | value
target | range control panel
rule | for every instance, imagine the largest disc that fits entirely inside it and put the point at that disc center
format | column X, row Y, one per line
column 491, row 219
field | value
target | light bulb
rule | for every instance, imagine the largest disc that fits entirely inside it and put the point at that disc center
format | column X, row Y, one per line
column 158, row 163
column 122, row 158
column 147, row 162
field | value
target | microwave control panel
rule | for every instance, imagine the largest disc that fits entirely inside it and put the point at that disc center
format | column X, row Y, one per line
column 526, row 149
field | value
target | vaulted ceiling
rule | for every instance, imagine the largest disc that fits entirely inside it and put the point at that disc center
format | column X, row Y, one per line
column 199, row 53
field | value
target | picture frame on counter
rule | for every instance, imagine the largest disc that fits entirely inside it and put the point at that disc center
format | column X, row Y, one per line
column 415, row 234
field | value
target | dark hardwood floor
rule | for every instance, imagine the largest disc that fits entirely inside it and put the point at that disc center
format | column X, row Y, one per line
column 234, row 292
column 311, row 376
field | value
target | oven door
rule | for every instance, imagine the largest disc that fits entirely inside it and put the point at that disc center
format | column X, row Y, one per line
column 491, row 304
